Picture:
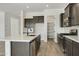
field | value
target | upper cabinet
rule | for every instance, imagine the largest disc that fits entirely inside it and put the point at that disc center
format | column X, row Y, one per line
column 75, row 14
column 67, row 16
column 38, row 19
column 70, row 17
column 30, row 22
column 68, row 11
column 61, row 19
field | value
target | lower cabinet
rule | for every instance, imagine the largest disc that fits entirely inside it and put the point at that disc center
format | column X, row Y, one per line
column 71, row 47
column 38, row 42
column 61, row 42
column 75, row 49
column 68, row 47
column 20, row 49
column 25, row 48
column 32, row 48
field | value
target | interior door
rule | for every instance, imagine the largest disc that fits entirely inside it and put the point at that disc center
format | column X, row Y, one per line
column 50, row 27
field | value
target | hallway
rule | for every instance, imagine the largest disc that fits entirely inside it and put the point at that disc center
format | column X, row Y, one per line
column 49, row 49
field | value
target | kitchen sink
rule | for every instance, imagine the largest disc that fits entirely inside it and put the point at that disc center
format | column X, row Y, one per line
column 31, row 35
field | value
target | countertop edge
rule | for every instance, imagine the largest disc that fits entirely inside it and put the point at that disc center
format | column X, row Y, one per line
column 5, row 39
column 71, row 38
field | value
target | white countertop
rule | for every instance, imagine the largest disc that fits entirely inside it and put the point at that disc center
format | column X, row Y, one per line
column 20, row 38
column 72, row 37
column 23, row 38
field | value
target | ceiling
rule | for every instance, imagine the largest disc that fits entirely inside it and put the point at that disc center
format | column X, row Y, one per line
column 15, row 8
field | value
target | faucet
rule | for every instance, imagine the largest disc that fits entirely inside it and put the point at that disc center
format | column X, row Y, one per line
column 27, row 31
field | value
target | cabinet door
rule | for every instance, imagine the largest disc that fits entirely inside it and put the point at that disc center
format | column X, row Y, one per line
column 68, row 47
column 20, row 49
column 75, row 14
column 35, row 18
column 40, row 19
column 75, row 49
column 33, row 48
column 37, row 44
column 61, row 42
column 67, row 11
column 27, row 22
column 61, row 19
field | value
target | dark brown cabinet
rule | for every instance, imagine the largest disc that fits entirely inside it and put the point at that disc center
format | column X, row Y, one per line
column 67, row 16
column 71, row 13
column 29, row 23
column 61, row 19
column 68, row 47
column 38, row 19
column 71, row 47
column 60, row 42
column 75, row 49
column 75, row 14
column 35, row 18
column 38, row 42
column 68, row 10
column 41, row 19
column 33, row 48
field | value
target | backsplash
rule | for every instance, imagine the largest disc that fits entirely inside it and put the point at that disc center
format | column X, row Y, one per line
column 67, row 29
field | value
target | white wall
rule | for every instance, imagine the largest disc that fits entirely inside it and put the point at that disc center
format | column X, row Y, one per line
column 31, row 14
column 39, row 28
column 8, row 18
column 46, row 13
column 5, row 24
column 2, row 24
column 14, row 26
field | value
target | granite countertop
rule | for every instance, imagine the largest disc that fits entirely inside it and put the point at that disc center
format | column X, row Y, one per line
column 72, row 37
column 23, row 38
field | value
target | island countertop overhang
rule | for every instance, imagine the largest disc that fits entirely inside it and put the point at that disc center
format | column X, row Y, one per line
column 20, row 38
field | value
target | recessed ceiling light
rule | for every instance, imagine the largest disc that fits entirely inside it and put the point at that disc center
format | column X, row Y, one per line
column 28, row 7
column 47, row 5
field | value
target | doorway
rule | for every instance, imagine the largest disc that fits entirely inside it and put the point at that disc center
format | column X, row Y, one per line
column 50, row 27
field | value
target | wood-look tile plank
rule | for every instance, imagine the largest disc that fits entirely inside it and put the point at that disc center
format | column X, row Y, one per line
column 49, row 49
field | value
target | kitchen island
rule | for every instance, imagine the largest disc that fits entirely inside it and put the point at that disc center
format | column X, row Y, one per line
column 21, row 45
